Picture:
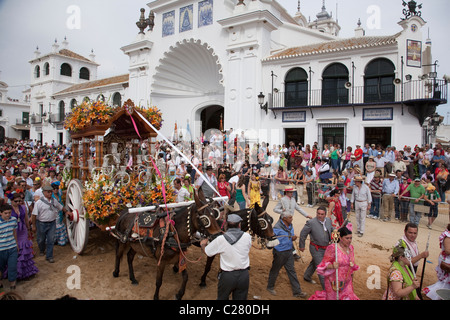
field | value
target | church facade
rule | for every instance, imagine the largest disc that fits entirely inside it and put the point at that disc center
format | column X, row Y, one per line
column 251, row 66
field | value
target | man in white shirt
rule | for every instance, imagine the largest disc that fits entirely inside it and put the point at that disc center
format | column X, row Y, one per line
column 233, row 247
column 381, row 162
column 44, row 216
column 390, row 156
column 361, row 200
column 181, row 193
column 233, row 182
column 208, row 188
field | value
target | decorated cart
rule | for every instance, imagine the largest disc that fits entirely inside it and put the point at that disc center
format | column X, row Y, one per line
column 109, row 172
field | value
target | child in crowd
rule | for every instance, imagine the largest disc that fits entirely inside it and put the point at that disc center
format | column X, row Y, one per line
column 8, row 245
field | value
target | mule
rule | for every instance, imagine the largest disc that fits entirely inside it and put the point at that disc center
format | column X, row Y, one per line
column 167, row 244
column 256, row 221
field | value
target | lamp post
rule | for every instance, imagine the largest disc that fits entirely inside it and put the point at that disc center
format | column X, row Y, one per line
column 261, row 96
column 263, row 106
column 432, row 126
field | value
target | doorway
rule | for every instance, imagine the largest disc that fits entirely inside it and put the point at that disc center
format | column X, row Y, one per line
column 378, row 135
column 297, row 135
column 212, row 118
column 332, row 133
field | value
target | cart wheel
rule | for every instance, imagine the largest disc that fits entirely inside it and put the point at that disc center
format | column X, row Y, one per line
column 78, row 228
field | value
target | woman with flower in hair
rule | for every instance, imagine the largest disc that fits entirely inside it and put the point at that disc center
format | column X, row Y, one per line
column 402, row 284
column 344, row 264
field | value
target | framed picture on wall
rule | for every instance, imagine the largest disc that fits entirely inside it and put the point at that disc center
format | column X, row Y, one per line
column 414, row 53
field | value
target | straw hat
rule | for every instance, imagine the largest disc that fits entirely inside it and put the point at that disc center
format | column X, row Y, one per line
column 289, row 188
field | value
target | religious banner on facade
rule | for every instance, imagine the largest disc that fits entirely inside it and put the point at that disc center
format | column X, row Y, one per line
column 414, row 53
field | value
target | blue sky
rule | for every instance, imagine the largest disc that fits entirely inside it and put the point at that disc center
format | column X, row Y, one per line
column 107, row 25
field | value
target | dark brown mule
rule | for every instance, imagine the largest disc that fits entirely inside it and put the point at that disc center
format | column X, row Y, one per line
column 256, row 221
column 188, row 221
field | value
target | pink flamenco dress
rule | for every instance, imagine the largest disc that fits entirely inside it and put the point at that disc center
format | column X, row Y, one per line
column 346, row 268
column 443, row 282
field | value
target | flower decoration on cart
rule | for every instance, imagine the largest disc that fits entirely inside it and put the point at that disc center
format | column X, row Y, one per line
column 151, row 113
column 88, row 114
column 105, row 197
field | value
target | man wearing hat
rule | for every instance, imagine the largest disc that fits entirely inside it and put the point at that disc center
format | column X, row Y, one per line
column 372, row 151
column 390, row 156
column 381, row 162
column 361, row 200
column 233, row 247
column 351, row 163
column 207, row 188
column 26, row 177
column 390, row 190
column 417, row 192
column 376, row 187
column 44, row 217
column 432, row 199
column 288, row 203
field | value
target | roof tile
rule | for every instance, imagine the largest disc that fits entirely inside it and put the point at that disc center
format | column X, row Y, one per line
column 333, row 46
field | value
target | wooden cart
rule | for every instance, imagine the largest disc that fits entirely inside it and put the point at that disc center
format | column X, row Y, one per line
column 121, row 133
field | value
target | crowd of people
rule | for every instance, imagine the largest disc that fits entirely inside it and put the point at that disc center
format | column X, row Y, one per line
column 31, row 206
column 365, row 180
column 374, row 182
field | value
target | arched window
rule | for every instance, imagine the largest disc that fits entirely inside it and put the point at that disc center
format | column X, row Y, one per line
column 334, row 78
column 61, row 111
column 379, row 81
column 73, row 103
column 101, row 97
column 37, row 72
column 46, row 68
column 117, row 99
column 296, row 88
column 84, row 73
column 66, row 70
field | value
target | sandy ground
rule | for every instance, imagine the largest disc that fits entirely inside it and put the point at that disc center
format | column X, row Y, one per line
column 97, row 264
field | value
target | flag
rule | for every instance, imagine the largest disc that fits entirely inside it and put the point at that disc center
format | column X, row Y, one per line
column 188, row 130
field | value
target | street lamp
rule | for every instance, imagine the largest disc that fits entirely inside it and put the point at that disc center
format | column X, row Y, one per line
column 263, row 106
column 435, row 120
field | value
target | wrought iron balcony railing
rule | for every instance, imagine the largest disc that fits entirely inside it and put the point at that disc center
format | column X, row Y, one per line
column 23, row 121
column 57, row 117
column 35, row 119
column 363, row 95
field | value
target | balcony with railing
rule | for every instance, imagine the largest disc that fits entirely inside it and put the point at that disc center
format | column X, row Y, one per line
column 36, row 119
column 57, row 117
column 22, row 121
column 372, row 94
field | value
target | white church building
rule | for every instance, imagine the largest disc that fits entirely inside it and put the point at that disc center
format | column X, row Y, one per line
column 251, row 66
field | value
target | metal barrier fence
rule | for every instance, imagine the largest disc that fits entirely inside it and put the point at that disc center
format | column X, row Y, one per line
column 441, row 222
